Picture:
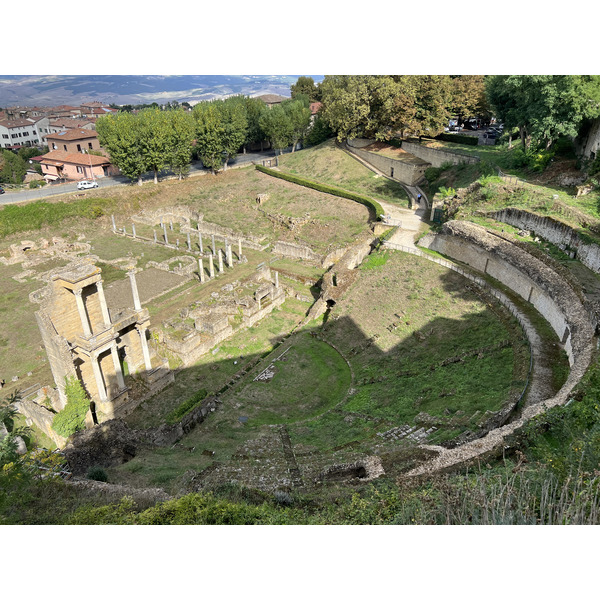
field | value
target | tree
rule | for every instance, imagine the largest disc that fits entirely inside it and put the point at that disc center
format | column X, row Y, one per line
column 468, row 96
column 119, row 135
column 305, row 86
column 299, row 120
column 277, row 125
column 180, row 143
column 12, row 167
column 235, row 126
column 544, row 107
column 154, row 138
column 346, row 104
column 210, row 138
column 255, row 108
column 432, row 100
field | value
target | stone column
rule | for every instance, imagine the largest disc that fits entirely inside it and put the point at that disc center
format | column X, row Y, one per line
column 85, row 322
column 220, row 261
column 155, row 238
column 103, row 305
column 239, row 249
column 201, row 270
column 200, row 242
column 98, row 376
column 133, row 228
column 177, row 242
column 117, row 363
column 211, row 266
column 145, row 350
column 124, row 230
column 229, row 256
column 171, row 225
column 276, row 279
column 134, row 290
column 113, row 223
column 189, row 242
column 165, row 233
column 214, row 247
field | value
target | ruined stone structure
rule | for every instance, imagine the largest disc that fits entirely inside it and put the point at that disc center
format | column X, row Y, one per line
column 83, row 338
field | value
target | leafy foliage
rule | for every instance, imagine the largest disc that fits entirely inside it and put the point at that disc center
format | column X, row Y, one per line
column 72, row 417
column 185, row 407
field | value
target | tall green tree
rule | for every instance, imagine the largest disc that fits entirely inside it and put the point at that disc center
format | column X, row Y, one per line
column 468, row 96
column 12, row 167
column 544, row 107
column 180, row 143
column 276, row 124
column 433, row 96
column 210, row 138
column 255, row 108
column 299, row 120
column 235, row 126
column 119, row 135
column 154, row 138
column 305, row 86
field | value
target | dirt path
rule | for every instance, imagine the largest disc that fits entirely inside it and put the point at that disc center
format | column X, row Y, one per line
column 411, row 223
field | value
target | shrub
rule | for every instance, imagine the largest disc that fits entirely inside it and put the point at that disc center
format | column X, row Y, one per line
column 72, row 417
column 467, row 140
column 185, row 407
column 36, row 184
column 372, row 205
column 97, row 474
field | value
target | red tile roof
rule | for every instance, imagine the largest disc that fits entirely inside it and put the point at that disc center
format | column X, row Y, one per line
column 72, row 134
column 75, row 158
column 314, row 107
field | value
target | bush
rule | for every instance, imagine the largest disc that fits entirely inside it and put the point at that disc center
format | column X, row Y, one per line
column 372, row 205
column 467, row 140
column 97, row 474
column 72, row 417
column 184, row 408
column 36, row 184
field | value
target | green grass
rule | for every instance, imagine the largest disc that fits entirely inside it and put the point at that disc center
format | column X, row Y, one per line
column 328, row 164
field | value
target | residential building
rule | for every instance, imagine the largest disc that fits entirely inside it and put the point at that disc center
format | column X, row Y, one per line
column 272, row 99
column 21, row 133
column 73, row 140
column 74, row 166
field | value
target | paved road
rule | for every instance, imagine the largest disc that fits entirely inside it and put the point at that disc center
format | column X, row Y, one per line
column 67, row 188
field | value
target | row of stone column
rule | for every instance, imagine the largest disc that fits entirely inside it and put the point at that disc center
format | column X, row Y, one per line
column 189, row 241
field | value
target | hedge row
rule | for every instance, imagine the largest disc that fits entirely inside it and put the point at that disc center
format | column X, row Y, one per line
column 467, row 140
column 185, row 407
column 372, row 205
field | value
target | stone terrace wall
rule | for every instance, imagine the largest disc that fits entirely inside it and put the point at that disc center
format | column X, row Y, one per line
column 437, row 157
column 405, row 172
column 554, row 231
column 526, row 275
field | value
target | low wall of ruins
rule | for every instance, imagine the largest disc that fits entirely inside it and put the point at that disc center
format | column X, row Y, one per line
column 296, row 251
column 407, row 172
column 554, row 231
column 437, row 157
column 532, row 279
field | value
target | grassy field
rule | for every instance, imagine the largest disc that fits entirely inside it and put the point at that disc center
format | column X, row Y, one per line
column 328, row 164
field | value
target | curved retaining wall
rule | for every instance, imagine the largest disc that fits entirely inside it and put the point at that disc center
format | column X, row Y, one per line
column 533, row 280
column 551, row 295
column 556, row 232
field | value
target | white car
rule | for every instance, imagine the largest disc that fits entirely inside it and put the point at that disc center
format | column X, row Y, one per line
column 86, row 185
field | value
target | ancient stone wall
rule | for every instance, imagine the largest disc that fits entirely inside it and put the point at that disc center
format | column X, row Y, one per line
column 554, row 231
column 529, row 277
column 406, row 172
column 437, row 157
column 296, row 251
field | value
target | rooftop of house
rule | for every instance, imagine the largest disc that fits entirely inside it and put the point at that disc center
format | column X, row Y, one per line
column 69, row 122
column 13, row 123
column 72, row 134
column 76, row 158
column 272, row 98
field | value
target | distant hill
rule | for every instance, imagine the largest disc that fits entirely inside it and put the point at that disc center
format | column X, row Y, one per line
column 54, row 90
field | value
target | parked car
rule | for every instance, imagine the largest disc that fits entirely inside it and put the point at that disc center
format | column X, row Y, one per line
column 86, row 185
column 1, row 191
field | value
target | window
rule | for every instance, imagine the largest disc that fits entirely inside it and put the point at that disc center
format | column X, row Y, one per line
column 80, row 169
column 90, row 145
column 25, row 133
column 78, row 147
column 65, row 147
column 5, row 136
column 54, row 146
